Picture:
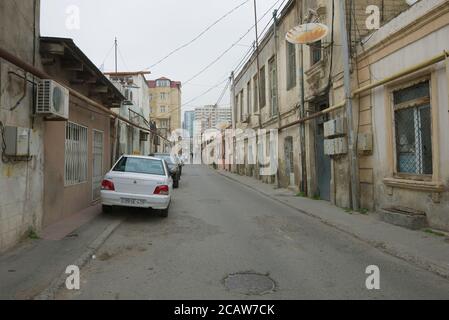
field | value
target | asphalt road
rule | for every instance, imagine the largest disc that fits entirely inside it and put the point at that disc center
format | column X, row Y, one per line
column 218, row 227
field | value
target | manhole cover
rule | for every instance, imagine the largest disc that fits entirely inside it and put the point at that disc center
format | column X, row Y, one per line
column 249, row 283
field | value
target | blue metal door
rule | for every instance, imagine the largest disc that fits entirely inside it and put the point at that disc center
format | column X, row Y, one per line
column 323, row 162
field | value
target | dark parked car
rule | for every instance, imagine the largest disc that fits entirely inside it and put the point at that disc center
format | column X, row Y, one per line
column 173, row 165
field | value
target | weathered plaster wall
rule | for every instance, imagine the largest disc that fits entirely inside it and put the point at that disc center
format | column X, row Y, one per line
column 21, row 183
column 422, row 49
column 62, row 201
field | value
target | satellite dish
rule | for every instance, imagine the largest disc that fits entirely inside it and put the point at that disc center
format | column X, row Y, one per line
column 307, row 33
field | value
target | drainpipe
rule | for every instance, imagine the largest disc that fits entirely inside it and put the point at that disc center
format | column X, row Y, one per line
column 275, row 33
column 447, row 71
column 302, row 113
column 352, row 148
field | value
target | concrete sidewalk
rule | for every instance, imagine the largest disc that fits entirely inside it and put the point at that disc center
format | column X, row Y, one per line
column 35, row 268
column 423, row 249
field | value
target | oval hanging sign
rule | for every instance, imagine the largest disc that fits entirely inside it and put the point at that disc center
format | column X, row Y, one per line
column 307, row 33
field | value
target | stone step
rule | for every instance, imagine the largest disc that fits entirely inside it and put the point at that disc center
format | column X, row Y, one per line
column 404, row 217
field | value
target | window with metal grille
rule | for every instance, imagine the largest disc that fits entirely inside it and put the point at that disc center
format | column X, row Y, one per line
column 255, row 94
column 164, row 124
column 273, row 86
column 262, row 87
column 241, row 104
column 315, row 52
column 75, row 154
column 412, row 116
column 291, row 65
column 248, row 97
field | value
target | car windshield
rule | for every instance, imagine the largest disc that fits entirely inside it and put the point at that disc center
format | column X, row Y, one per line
column 140, row 165
column 165, row 157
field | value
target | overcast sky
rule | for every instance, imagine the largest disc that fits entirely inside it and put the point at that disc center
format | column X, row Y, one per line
column 147, row 30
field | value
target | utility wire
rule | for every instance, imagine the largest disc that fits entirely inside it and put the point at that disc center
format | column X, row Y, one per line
column 217, row 59
column 198, row 36
column 223, row 93
column 107, row 55
column 232, row 46
column 244, row 60
column 123, row 59
column 205, row 92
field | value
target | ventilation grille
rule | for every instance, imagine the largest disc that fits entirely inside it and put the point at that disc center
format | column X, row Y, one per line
column 44, row 97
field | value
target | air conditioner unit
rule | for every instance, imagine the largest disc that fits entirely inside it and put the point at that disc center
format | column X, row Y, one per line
column 335, row 128
column 52, row 99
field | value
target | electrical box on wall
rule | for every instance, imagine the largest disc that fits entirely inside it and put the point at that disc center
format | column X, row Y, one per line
column 334, row 147
column 335, row 127
column 329, row 147
column 365, row 143
column 18, row 142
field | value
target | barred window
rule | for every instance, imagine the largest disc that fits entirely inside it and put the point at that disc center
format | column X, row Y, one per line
column 291, row 65
column 315, row 52
column 262, row 87
column 248, row 97
column 412, row 116
column 255, row 94
column 273, row 86
column 75, row 154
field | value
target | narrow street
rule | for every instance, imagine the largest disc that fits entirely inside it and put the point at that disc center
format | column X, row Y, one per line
column 217, row 227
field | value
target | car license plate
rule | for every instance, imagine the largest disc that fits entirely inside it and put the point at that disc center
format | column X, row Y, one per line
column 132, row 201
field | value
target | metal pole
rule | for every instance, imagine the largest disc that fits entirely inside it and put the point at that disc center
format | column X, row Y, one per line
column 302, row 112
column 116, row 45
column 258, row 85
column 275, row 34
column 352, row 154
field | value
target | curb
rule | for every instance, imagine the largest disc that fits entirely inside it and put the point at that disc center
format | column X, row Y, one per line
column 417, row 261
column 50, row 292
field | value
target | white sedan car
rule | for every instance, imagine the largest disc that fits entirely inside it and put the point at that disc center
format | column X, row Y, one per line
column 138, row 181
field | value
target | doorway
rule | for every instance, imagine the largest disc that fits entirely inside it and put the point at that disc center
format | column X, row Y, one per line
column 97, row 163
column 323, row 161
column 289, row 166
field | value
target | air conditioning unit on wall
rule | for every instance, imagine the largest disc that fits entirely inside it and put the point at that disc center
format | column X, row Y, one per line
column 335, row 128
column 334, row 147
column 52, row 100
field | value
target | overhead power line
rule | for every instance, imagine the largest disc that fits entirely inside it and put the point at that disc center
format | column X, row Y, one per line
column 223, row 93
column 198, row 36
column 232, row 46
column 206, row 92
